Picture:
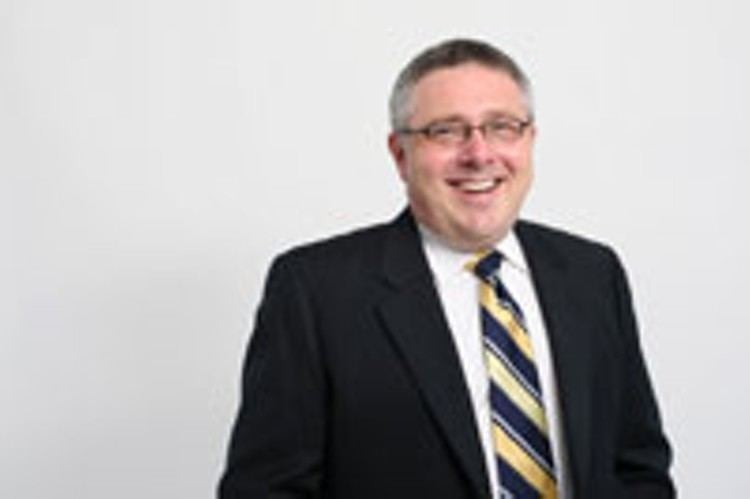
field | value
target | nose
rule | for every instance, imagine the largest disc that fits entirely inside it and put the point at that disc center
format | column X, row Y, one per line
column 476, row 150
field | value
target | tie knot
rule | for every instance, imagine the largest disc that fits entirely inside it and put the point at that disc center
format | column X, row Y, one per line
column 487, row 264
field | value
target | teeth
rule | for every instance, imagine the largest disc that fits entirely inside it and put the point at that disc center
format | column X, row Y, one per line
column 476, row 185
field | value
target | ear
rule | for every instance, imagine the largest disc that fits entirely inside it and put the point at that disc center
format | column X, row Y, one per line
column 532, row 131
column 398, row 153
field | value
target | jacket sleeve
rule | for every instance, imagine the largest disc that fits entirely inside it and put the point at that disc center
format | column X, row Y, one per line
column 643, row 454
column 277, row 444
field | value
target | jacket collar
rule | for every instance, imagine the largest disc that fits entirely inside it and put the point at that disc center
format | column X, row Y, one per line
column 571, row 335
column 419, row 330
column 417, row 325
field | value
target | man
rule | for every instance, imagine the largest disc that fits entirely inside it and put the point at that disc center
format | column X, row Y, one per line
column 455, row 352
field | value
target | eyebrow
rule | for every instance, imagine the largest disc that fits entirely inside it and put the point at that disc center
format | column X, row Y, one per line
column 448, row 119
column 495, row 115
column 492, row 115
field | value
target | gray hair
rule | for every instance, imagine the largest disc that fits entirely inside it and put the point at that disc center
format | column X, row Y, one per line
column 448, row 54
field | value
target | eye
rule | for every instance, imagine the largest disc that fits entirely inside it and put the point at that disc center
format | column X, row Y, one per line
column 445, row 131
column 505, row 129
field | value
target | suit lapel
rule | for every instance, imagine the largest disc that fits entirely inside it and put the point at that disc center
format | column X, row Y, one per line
column 415, row 321
column 571, row 346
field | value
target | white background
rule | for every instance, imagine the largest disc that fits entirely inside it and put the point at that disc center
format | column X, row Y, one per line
column 155, row 154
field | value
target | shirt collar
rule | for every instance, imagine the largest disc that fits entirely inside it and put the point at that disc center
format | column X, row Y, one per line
column 447, row 261
column 511, row 249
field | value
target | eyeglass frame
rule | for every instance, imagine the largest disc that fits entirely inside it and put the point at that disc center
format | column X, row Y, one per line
column 431, row 131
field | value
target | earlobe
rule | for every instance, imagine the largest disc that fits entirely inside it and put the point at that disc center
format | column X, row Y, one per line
column 398, row 154
column 395, row 147
column 532, row 131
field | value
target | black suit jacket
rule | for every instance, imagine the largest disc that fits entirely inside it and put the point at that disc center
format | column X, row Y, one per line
column 352, row 386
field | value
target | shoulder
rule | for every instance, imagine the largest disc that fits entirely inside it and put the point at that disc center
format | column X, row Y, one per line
column 347, row 256
column 558, row 246
column 355, row 244
column 336, row 272
column 591, row 271
column 538, row 233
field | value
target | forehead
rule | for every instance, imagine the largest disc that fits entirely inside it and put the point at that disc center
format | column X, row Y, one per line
column 469, row 91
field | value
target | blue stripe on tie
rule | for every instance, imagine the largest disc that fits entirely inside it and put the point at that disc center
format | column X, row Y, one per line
column 500, row 355
column 488, row 265
column 508, row 419
column 497, row 334
column 511, row 480
column 506, row 300
column 520, row 428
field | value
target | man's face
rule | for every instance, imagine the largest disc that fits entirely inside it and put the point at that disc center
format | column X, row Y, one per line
column 469, row 194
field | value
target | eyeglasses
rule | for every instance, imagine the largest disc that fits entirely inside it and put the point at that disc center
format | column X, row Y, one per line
column 505, row 130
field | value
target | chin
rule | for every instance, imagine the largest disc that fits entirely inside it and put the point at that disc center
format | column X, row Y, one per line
column 472, row 240
column 482, row 239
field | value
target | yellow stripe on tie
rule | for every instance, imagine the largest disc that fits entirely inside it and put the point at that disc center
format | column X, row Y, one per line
column 474, row 261
column 520, row 461
column 489, row 301
column 515, row 391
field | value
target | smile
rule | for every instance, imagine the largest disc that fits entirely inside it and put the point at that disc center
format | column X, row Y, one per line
column 476, row 185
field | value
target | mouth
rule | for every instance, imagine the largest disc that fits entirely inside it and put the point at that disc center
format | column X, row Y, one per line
column 476, row 186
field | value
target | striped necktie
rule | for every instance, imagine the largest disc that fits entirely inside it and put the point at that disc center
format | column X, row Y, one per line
column 519, row 427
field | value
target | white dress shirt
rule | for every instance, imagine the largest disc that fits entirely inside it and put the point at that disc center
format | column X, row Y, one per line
column 458, row 289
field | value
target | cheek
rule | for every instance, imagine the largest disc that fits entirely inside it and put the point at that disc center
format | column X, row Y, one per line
column 523, row 157
column 518, row 165
column 426, row 169
column 515, row 158
column 424, row 183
